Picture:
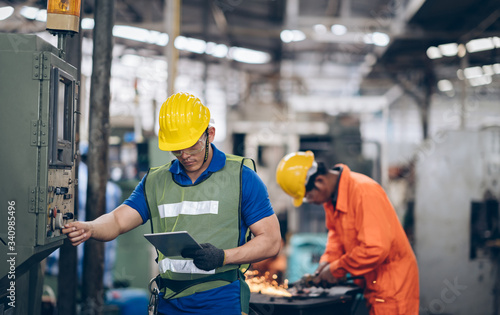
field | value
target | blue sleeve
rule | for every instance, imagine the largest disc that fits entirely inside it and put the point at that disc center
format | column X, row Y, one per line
column 255, row 204
column 137, row 200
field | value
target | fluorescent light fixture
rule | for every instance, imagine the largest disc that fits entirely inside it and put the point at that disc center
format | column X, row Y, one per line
column 162, row 39
column 496, row 41
column 496, row 68
column 32, row 13
column 41, row 16
column 480, row 44
column 445, row 85
column 483, row 80
column 488, row 70
column 298, row 35
column 320, row 28
column 449, row 50
column 248, row 55
column 87, row 24
column 473, row 72
column 380, row 39
column 5, row 12
column 288, row 36
column 338, row 29
column 130, row 32
column 190, row 44
column 29, row 12
column 140, row 34
column 433, row 53
column 216, row 50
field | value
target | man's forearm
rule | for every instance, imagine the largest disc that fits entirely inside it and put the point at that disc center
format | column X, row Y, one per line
column 253, row 251
column 265, row 244
column 104, row 228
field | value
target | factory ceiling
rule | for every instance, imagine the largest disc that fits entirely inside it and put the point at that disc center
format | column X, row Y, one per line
column 378, row 42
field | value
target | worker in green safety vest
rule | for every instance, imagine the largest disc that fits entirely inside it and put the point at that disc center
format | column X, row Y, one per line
column 218, row 198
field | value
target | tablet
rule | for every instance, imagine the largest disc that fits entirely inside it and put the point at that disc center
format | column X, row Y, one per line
column 172, row 243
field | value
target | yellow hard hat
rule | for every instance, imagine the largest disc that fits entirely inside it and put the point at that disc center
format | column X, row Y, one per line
column 183, row 119
column 291, row 174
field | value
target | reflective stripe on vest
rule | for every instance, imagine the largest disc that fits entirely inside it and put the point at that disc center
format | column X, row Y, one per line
column 188, row 208
column 181, row 266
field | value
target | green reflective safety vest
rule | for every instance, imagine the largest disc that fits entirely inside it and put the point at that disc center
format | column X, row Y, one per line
column 209, row 210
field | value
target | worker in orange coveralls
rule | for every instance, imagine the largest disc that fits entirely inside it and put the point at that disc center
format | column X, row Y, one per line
column 365, row 237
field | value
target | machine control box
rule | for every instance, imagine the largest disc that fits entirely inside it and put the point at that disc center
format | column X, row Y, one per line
column 37, row 164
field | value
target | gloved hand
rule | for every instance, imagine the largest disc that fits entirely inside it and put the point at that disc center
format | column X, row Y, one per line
column 207, row 258
column 325, row 278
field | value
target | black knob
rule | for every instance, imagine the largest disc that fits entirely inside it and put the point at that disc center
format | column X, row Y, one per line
column 68, row 216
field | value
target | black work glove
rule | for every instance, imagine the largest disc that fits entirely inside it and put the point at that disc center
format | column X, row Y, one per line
column 207, row 258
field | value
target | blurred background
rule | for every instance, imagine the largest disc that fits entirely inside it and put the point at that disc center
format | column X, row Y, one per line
column 404, row 91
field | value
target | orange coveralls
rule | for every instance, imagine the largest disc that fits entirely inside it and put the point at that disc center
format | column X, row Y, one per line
column 365, row 238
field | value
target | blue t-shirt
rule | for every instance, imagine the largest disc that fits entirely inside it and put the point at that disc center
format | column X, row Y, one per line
column 255, row 205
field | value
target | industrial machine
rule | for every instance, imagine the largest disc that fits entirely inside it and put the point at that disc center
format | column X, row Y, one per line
column 37, row 110
column 457, row 222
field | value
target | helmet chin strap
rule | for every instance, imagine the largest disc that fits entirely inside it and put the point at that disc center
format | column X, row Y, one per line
column 207, row 146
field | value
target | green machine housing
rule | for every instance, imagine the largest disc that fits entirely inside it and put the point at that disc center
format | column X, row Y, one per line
column 38, row 92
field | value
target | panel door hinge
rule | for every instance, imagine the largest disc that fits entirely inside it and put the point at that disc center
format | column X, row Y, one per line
column 37, row 66
column 41, row 66
column 39, row 133
column 33, row 199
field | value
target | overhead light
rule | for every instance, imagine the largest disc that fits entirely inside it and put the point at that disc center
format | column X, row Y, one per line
column 190, row 44
column 376, row 38
column 473, row 72
column 288, row 36
column 30, row 13
column 480, row 44
column 5, row 12
column 445, row 85
column 496, row 68
column 433, row 53
column 380, row 39
column 449, row 50
column 320, row 28
column 298, row 35
column 130, row 32
column 248, row 55
column 87, row 24
column 139, row 34
column 488, row 70
column 161, row 39
column 158, row 38
column 41, row 16
column 496, row 41
column 338, row 29
column 483, row 80
column 216, row 50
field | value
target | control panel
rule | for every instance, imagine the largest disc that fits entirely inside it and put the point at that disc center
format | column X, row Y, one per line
column 60, row 200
